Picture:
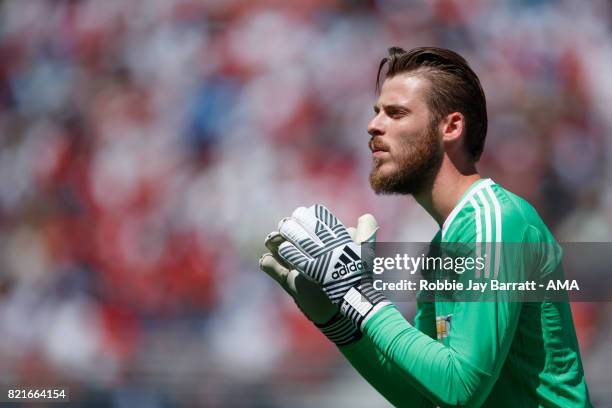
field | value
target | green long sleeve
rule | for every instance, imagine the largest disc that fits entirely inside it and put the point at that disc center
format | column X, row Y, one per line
column 449, row 376
column 383, row 374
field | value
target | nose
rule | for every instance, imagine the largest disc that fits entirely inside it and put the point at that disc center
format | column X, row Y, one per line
column 375, row 127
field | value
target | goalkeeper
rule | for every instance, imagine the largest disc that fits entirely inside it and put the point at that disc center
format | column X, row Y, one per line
column 427, row 134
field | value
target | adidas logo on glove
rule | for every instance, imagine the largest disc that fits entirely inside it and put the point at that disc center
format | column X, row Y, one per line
column 348, row 262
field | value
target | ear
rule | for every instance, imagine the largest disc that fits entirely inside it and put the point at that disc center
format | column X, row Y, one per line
column 452, row 127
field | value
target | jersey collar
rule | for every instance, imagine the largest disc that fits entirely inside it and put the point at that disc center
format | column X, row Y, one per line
column 467, row 194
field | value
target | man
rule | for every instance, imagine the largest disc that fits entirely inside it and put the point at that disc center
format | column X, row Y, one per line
column 426, row 137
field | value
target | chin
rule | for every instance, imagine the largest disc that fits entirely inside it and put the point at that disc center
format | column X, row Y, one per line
column 389, row 179
column 384, row 167
column 382, row 174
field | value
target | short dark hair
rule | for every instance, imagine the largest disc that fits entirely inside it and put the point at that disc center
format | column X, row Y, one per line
column 454, row 88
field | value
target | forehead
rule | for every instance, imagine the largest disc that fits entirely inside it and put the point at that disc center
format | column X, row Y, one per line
column 404, row 89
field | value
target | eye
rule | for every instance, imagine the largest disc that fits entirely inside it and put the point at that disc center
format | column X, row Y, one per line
column 395, row 113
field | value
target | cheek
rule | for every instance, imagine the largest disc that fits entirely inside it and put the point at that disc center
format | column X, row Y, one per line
column 399, row 149
column 402, row 138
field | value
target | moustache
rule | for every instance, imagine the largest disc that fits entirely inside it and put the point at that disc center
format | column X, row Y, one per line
column 378, row 145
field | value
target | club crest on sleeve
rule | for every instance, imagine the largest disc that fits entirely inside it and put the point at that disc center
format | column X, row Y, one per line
column 443, row 325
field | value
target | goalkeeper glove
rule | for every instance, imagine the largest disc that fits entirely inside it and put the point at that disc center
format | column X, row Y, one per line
column 320, row 247
column 308, row 296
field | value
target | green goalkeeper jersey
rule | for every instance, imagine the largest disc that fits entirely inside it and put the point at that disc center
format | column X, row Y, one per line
column 490, row 354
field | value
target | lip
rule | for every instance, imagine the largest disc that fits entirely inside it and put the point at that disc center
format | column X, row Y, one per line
column 379, row 153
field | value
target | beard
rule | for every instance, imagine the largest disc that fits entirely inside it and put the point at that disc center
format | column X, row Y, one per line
column 417, row 163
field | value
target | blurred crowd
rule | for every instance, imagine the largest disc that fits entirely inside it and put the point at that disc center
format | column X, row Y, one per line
column 148, row 146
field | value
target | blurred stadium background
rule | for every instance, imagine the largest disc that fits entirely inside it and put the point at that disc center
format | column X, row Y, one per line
column 148, row 146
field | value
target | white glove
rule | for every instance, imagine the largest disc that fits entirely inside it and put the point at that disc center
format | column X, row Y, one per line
column 308, row 296
column 320, row 247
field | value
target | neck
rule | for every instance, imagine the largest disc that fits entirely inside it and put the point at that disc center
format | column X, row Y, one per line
column 448, row 186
